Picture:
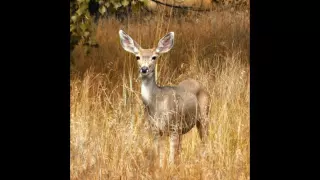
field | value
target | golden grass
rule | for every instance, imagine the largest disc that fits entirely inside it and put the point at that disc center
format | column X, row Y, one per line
column 109, row 137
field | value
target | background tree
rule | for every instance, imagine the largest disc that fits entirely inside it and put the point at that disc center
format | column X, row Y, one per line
column 81, row 17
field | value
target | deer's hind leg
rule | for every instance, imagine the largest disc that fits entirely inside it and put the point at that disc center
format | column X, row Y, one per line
column 203, row 121
column 202, row 131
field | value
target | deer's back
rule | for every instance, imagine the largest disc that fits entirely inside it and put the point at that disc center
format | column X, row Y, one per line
column 191, row 85
column 202, row 95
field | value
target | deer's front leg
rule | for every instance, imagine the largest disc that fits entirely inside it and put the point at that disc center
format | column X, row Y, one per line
column 159, row 146
column 175, row 147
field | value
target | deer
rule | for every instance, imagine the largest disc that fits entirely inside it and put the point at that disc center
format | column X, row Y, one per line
column 170, row 110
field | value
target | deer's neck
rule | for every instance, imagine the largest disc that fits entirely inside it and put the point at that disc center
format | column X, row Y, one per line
column 148, row 88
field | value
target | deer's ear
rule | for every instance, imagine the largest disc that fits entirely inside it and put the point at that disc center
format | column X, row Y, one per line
column 165, row 43
column 128, row 43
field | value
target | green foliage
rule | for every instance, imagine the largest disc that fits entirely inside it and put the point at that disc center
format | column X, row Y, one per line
column 80, row 18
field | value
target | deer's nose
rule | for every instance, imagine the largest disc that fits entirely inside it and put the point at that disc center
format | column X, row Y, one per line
column 144, row 69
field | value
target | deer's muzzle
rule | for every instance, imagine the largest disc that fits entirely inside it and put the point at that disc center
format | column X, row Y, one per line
column 144, row 69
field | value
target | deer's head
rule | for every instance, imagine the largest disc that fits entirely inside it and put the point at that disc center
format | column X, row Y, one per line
column 146, row 58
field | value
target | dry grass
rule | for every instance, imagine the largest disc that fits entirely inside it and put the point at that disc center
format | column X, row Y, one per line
column 109, row 139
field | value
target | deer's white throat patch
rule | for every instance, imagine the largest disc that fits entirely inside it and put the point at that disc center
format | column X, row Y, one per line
column 146, row 93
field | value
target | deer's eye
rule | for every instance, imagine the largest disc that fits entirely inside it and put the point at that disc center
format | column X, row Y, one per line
column 138, row 57
column 154, row 57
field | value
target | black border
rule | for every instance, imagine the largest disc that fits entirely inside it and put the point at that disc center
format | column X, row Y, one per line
column 264, row 99
column 281, row 77
column 36, row 88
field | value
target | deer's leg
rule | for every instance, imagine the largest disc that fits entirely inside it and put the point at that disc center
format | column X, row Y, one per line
column 175, row 147
column 202, row 128
column 202, row 123
column 159, row 147
column 203, row 133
